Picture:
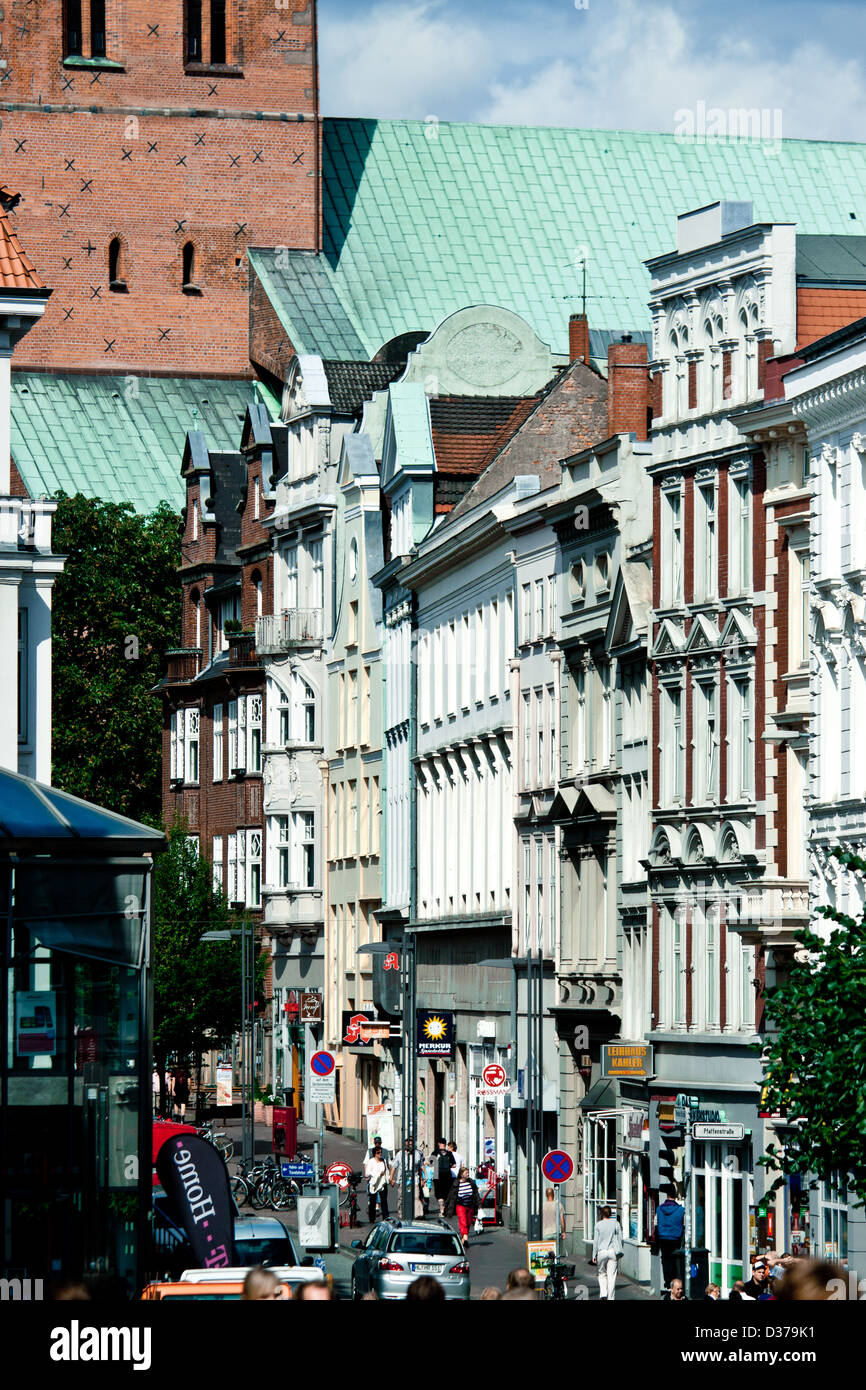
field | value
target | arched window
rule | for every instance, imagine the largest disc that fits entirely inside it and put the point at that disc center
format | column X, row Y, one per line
column 116, row 266
column 189, row 285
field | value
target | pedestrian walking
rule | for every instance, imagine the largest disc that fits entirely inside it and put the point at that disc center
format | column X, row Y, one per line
column 181, row 1093
column 548, row 1217
column 463, row 1200
column 670, row 1224
column 377, row 1144
column 606, row 1251
column 456, row 1158
column 155, row 1087
column 376, row 1173
column 442, row 1175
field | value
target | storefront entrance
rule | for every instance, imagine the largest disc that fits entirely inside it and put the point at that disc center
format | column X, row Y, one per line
column 721, row 1196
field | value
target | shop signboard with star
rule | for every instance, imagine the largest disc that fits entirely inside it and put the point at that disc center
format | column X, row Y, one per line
column 435, row 1033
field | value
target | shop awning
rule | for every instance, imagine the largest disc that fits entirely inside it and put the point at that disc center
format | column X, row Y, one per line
column 602, row 1095
column 42, row 819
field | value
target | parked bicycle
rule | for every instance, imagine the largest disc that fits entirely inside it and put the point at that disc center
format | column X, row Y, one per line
column 218, row 1137
column 558, row 1273
column 273, row 1190
column 349, row 1200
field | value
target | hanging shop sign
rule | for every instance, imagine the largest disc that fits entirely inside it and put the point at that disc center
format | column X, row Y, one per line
column 435, row 1033
column 627, row 1059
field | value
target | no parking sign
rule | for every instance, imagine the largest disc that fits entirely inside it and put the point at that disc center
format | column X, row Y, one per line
column 322, row 1079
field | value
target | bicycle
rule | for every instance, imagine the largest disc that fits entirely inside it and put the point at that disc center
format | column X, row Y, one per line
column 350, row 1201
column 555, row 1285
column 218, row 1138
column 273, row 1190
column 243, row 1182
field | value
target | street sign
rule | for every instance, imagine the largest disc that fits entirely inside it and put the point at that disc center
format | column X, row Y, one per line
column 338, row 1173
column 301, row 1172
column 311, row 1007
column 557, row 1166
column 494, row 1077
column 681, row 1115
column 322, row 1063
column 322, row 1079
column 314, row 1222
column 718, row 1133
column 691, row 1101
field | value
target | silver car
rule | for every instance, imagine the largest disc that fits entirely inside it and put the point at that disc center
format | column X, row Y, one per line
column 397, row 1252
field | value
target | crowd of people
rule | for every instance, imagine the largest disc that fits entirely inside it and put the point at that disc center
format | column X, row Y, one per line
column 442, row 1176
column 261, row 1283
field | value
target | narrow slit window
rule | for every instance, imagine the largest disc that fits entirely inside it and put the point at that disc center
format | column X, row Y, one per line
column 218, row 31
column 193, row 31
column 189, row 285
column 116, row 267
column 97, row 28
column 73, row 29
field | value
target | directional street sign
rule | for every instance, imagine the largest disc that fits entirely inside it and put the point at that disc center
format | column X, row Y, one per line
column 557, row 1166
column 322, row 1079
column 719, row 1133
column 681, row 1115
column 301, row 1172
column 338, row 1173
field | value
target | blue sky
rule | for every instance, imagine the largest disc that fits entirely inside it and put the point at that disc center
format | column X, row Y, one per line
column 628, row 64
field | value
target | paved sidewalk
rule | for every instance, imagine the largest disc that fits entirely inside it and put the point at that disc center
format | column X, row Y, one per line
column 491, row 1254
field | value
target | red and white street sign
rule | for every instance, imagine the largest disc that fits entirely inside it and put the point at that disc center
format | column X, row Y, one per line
column 494, row 1077
column 338, row 1173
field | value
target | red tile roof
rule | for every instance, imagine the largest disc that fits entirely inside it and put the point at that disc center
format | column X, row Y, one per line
column 469, row 430
column 821, row 310
column 17, row 271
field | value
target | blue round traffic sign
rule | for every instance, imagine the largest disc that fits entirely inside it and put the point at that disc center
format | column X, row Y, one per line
column 322, row 1063
column 557, row 1166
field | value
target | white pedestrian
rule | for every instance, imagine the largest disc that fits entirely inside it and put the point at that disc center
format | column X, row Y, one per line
column 606, row 1251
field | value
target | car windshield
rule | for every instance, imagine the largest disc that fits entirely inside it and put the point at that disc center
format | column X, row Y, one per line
column 407, row 1243
column 276, row 1251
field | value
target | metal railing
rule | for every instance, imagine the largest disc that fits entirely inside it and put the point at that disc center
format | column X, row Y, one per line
column 294, row 627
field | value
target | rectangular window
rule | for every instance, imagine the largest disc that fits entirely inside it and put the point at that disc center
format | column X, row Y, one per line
column 495, row 648
column 539, row 609
column 191, row 720
column 678, row 966
column 353, row 822
column 693, row 385
column 97, row 28
column 527, row 741
column 73, row 37
column 539, row 895
column 740, row 535
column 711, row 978
column 527, row 896
column 727, row 375
column 451, row 664
column 526, row 612
column 305, row 831
column 366, row 697
column 217, row 862
column 23, row 675
column 254, row 733
column 375, row 811
column 254, row 868
column 281, row 851
column 672, row 548
column 232, row 863
column 706, row 546
column 465, row 663
column 193, row 31
column 291, row 577
column 551, row 605
column 217, row 743
column 672, row 747
column 480, row 655
column 552, row 744
column 233, row 736
column 352, row 731
column 740, row 739
column 218, row 31
column 552, row 896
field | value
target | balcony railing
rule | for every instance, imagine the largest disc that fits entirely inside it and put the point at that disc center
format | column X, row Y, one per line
column 182, row 664
column 294, row 627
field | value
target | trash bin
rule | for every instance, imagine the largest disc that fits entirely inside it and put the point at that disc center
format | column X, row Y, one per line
column 699, row 1272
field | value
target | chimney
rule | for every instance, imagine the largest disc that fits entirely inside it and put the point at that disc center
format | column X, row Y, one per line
column 578, row 338
column 628, row 388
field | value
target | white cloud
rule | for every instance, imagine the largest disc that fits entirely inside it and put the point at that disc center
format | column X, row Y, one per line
column 628, row 64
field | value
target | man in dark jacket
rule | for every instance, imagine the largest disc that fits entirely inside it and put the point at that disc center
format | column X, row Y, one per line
column 759, row 1284
column 442, row 1175
column 670, row 1224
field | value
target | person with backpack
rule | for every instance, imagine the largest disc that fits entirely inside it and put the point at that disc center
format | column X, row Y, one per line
column 442, row 1175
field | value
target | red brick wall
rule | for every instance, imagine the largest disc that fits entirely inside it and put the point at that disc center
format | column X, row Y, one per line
column 229, row 158
column 578, row 339
column 627, row 389
column 689, row 538
column 723, row 530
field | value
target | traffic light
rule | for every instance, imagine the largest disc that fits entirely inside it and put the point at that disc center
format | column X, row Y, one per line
column 669, row 1179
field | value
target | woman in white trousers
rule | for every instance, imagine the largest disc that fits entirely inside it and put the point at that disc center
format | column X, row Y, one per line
column 606, row 1250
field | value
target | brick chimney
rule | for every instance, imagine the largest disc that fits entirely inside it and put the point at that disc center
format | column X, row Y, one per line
column 578, row 338
column 628, row 388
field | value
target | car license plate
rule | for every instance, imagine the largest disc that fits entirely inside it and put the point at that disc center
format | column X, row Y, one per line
column 425, row 1269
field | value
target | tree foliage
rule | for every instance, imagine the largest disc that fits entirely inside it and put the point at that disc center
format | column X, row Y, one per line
column 116, row 609
column 196, row 985
column 815, row 1054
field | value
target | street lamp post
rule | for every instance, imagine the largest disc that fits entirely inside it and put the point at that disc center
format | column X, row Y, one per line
column 408, row 1072
column 246, row 932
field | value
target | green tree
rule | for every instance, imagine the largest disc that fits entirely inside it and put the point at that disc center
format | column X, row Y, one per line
column 815, row 1052
column 196, row 985
column 116, row 609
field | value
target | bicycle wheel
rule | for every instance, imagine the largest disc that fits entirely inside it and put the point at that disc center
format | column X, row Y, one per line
column 239, row 1190
column 284, row 1194
column 260, row 1196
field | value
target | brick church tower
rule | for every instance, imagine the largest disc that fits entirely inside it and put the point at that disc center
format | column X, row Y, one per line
column 153, row 141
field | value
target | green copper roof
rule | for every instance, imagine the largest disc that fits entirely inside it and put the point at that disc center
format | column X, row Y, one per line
column 410, row 421
column 423, row 218
column 120, row 438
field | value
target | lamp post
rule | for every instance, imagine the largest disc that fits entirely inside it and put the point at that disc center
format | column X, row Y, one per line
column 246, row 932
column 405, row 944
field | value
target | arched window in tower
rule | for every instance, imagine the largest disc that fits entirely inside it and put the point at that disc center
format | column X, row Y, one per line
column 72, row 27
column 116, row 266
column 190, row 267
column 97, row 28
